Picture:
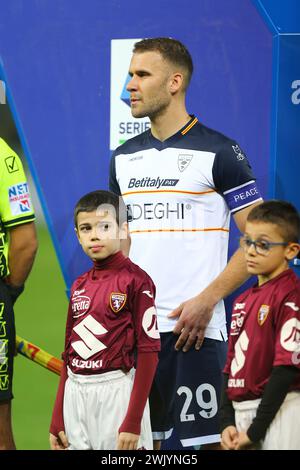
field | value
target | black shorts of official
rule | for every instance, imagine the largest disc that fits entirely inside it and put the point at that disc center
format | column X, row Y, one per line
column 7, row 343
column 186, row 392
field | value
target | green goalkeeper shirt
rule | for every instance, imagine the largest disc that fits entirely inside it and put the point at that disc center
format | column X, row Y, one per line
column 15, row 203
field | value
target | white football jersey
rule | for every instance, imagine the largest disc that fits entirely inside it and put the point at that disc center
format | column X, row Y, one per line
column 179, row 194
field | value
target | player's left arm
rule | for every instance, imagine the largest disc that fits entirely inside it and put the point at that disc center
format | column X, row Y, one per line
column 196, row 313
column 233, row 178
column 235, row 272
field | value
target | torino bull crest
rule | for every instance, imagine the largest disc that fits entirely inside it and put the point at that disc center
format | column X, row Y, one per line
column 117, row 301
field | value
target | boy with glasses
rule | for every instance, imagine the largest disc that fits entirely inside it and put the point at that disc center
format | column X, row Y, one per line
column 261, row 392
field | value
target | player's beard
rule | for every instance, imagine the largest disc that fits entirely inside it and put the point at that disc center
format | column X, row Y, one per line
column 152, row 110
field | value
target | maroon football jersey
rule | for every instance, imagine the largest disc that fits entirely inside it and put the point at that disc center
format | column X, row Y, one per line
column 111, row 314
column 265, row 332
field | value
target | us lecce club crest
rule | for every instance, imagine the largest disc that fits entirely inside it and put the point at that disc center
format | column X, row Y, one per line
column 117, row 301
column 184, row 161
column 262, row 314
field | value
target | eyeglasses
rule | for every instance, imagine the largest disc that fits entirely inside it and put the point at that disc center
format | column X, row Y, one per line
column 262, row 247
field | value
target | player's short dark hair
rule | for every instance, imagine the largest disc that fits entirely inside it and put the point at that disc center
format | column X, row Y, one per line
column 170, row 49
column 280, row 213
column 97, row 199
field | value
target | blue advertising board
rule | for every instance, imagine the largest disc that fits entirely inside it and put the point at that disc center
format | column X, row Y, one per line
column 58, row 66
column 283, row 20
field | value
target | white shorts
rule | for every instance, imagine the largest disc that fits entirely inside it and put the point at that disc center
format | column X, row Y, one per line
column 95, row 407
column 284, row 431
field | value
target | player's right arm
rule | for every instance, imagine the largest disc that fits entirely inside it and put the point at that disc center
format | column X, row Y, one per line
column 21, row 253
column 18, row 240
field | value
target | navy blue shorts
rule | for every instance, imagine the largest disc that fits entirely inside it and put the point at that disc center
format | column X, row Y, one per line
column 186, row 392
column 7, row 343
